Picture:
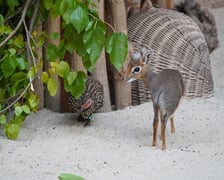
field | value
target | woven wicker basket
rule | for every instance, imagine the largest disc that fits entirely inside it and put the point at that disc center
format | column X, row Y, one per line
column 177, row 43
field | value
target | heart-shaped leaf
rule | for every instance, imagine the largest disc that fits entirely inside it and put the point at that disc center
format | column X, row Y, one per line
column 11, row 130
column 117, row 48
column 79, row 18
column 52, row 86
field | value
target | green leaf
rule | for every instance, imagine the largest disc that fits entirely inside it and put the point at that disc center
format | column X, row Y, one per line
column 2, row 96
column 52, row 86
column 18, row 110
column 26, row 109
column 6, row 30
column 71, row 77
column 48, row 4
column 2, row 119
column 12, row 51
column 18, row 76
column 11, row 130
column 9, row 65
column 66, row 8
column 55, row 10
column 33, row 71
column 19, row 42
column 67, row 176
column 63, row 7
column 19, row 119
column 117, row 48
column 62, row 67
column 66, row 16
column 79, row 45
column 54, row 35
column 78, row 87
column 70, row 45
column 87, row 63
column 52, row 52
column 79, row 18
column 66, row 86
column 1, row 20
column 12, row 4
column 21, row 63
column 89, row 25
column 61, row 49
column 33, row 102
column 15, row 87
column 40, row 40
column 44, row 77
column 69, row 32
column 94, row 40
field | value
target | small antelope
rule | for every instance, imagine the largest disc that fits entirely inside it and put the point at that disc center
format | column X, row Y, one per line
column 166, row 89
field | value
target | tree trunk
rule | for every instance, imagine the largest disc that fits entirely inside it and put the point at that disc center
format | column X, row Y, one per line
column 122, row 88
column 100, row 70
column 38, row 84
column 53, row 103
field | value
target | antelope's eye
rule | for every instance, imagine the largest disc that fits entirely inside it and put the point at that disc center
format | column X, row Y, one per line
column 136, row 70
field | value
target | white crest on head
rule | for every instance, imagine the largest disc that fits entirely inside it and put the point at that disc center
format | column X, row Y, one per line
column 147, row 55
column 135, row 56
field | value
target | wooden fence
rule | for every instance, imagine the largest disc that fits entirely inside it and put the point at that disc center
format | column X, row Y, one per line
column 117, row 92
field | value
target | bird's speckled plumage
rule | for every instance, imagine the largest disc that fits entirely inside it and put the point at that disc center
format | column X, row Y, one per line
column 90, row 102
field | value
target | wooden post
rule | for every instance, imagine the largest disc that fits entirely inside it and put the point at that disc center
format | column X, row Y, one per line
column 164, row 3
column 169, row 4
column 76, row 63
column 122, row 88
column 37, row 83
column 100, row 70
column 53, row 103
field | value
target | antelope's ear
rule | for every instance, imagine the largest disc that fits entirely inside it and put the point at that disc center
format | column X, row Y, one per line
column 134, row 54
column 147, row 55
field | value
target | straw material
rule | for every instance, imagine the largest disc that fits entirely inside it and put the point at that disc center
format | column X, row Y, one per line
column 177, row 43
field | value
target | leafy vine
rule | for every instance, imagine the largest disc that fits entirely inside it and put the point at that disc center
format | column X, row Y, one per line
column 83, row 32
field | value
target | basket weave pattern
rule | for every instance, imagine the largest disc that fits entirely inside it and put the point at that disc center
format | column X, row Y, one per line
column 177, row 43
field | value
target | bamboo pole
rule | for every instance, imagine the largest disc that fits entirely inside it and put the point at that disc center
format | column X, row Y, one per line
column 122, row 89
column 38, row 84
column 164, row 3
column 76, row 63
column 53, row 103
column 100, row 69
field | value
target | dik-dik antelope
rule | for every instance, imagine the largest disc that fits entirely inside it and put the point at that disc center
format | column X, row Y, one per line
column 166, row 89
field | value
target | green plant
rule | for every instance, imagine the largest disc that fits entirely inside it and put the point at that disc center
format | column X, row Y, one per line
column 83, row 32
column 67, row 176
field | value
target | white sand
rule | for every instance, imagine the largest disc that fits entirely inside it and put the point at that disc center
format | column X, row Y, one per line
column 118, row 144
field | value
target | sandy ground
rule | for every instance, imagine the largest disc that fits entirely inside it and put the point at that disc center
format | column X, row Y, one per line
column 118, row 144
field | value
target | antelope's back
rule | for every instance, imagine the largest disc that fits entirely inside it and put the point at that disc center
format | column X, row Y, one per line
column 177, row 43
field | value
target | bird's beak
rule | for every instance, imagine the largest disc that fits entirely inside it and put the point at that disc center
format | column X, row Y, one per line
column 86, row 104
